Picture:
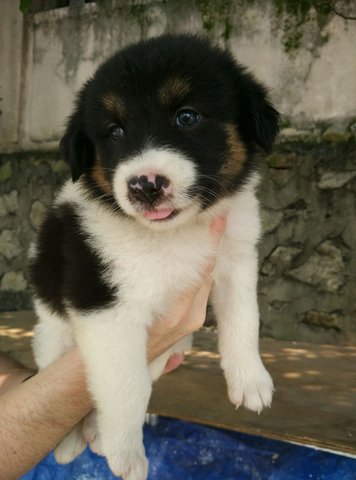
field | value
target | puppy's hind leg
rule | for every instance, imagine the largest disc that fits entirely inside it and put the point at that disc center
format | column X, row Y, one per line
column 112, row 342
column 53, row 337
column 71, row 446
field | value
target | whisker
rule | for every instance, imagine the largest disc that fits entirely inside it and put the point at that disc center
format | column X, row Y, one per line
column 208, row 191
column 214, row 179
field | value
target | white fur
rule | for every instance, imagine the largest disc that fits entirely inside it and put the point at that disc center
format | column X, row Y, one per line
column 151, row 267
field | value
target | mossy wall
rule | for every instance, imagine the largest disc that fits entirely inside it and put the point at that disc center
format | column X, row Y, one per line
column 304, row 51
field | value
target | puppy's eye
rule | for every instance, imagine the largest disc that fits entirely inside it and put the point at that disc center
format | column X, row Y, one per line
column 116, row 132
column 187, row 118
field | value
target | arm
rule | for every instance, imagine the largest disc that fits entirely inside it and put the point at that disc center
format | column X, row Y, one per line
column 12, row 373
column 38, row 413
column 190, row 311
column 35, row 415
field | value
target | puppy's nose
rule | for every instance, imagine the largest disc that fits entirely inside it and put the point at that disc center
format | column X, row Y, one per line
column 147, row 189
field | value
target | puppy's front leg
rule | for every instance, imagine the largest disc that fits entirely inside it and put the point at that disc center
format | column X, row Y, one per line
column 113, row 345
column 236, row 308
column 235, row 305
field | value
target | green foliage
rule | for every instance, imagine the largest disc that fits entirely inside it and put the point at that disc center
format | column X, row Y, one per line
column 139, row 13
column 301, row 8
column 216, row 16
column 297, row 14
column 25, row 5
column 215, row 13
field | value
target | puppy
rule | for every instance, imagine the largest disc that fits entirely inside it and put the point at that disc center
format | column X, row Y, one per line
column 161, row 140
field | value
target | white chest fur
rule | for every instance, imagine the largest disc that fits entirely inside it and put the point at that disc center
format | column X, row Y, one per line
column 148, row 267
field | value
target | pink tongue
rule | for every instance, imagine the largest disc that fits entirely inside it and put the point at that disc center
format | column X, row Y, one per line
column 158, row 214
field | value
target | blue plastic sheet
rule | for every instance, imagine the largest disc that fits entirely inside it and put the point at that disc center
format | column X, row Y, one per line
column 180, row 450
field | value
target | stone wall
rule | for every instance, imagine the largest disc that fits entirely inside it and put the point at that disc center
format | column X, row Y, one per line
column 27, row 186
column 307, row 254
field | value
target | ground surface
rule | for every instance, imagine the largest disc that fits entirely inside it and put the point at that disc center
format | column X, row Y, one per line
column 315, row 397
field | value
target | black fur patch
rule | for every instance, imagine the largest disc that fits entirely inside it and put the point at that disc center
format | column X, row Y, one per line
column 66, row 269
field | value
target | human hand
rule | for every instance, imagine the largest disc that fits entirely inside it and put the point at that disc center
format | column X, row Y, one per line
column 189, row 313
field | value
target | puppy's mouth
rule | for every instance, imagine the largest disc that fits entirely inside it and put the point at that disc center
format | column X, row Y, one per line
column 160, row 214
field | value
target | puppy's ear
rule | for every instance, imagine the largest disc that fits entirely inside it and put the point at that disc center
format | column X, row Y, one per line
column 257, row 120
column 76, row 148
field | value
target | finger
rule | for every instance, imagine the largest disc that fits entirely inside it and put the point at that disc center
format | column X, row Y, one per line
column 217, row 230
column 218, row 227
column 197, row 312
column 198, row 297
column 188, row 297
column 204, row 291
column 193, row 298
column 173, row 362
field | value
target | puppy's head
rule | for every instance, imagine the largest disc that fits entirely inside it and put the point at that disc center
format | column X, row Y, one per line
column 166, row 128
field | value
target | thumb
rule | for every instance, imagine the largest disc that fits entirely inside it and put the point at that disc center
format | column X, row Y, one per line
column 217, row 230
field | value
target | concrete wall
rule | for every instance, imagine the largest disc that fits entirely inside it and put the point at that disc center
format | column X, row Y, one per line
column 309, row 62
column 308, row 196
column 11, row 29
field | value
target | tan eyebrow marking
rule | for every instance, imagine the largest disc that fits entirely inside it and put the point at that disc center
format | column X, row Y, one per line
column 237, row 153
column 99, row 177
column 173, row 89
column 114, row 104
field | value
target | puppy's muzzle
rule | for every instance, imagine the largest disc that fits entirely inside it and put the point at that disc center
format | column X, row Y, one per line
column 148, row 189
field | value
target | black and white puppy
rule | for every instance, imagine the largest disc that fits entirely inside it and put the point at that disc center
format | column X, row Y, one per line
column 161, row 141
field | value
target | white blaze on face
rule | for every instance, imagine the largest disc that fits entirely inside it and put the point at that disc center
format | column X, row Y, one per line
column 174, row 166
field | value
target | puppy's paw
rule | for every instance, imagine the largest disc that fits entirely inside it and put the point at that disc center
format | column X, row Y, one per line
column 71, row 446
column 128, row 460
column 251, row 386
column 91, row 433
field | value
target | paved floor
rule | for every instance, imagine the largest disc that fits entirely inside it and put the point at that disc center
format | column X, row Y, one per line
column 16, row 335
column 314, row 403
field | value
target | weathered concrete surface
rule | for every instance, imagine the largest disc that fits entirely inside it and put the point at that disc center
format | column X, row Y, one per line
column 11, row 23
column 309, row 63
